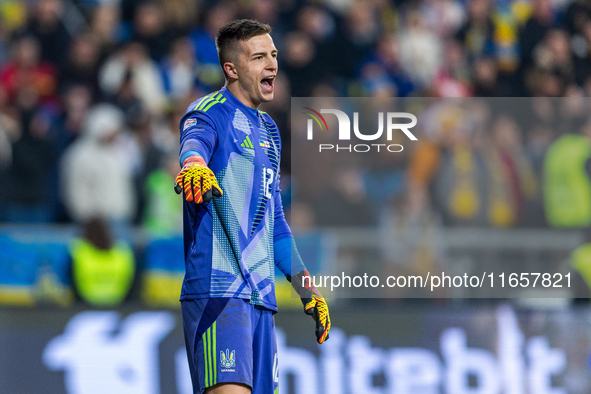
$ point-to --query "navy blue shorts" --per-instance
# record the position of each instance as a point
(230, 341)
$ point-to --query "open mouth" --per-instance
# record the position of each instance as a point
(267, 83)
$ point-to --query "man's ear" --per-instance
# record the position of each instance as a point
(231, 70)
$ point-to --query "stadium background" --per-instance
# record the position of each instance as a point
(148, 60)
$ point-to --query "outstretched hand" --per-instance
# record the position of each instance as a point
(197, 181)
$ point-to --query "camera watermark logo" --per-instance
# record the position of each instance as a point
(344, 129)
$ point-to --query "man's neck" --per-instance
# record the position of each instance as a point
(241, 95)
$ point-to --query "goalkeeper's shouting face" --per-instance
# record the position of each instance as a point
(249, 60)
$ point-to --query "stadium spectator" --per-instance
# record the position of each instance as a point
(420, 50)
(535, 30)
(452, 79)
(538, 140)
(319, 25)
(386, 57)
(26, 71)
(68, 125)
(95, 178)
(166, 133)
(142, 154)
(362, 31)
(179, 69)
(298, 64)
(150, 30)
(444, 17)
(267, 11)
(552, 70)
(131, 73)
(180, 15)
(105, 26)
(103, 269)
(460, 182)
(511, 182)
(577, 22)
(33, 156)
(476, 34)
(567, 184)
(558, 56)
(505, 38)
(163, 215)
(13, 17)
(47, 27)
(82, 65)
(202, 36)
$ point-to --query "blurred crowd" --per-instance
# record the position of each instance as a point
(91, 92)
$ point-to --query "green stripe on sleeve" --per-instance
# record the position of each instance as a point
(199, 103)
(216, 101)
(202, 100)
(200, 108)
(204, 103)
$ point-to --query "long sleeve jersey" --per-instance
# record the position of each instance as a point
(229, 242)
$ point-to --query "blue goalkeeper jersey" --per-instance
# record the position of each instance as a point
(229, 241)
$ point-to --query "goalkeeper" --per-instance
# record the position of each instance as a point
(234, 227)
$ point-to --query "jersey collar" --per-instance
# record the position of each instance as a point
(237, 103)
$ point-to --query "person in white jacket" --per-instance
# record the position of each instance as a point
(96, 180)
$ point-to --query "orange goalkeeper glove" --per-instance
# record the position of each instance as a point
(314, 304)
(197, 180)
(318, 309)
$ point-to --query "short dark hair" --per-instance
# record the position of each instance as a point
(231, 34)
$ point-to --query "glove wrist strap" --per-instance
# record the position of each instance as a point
(194, 159)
